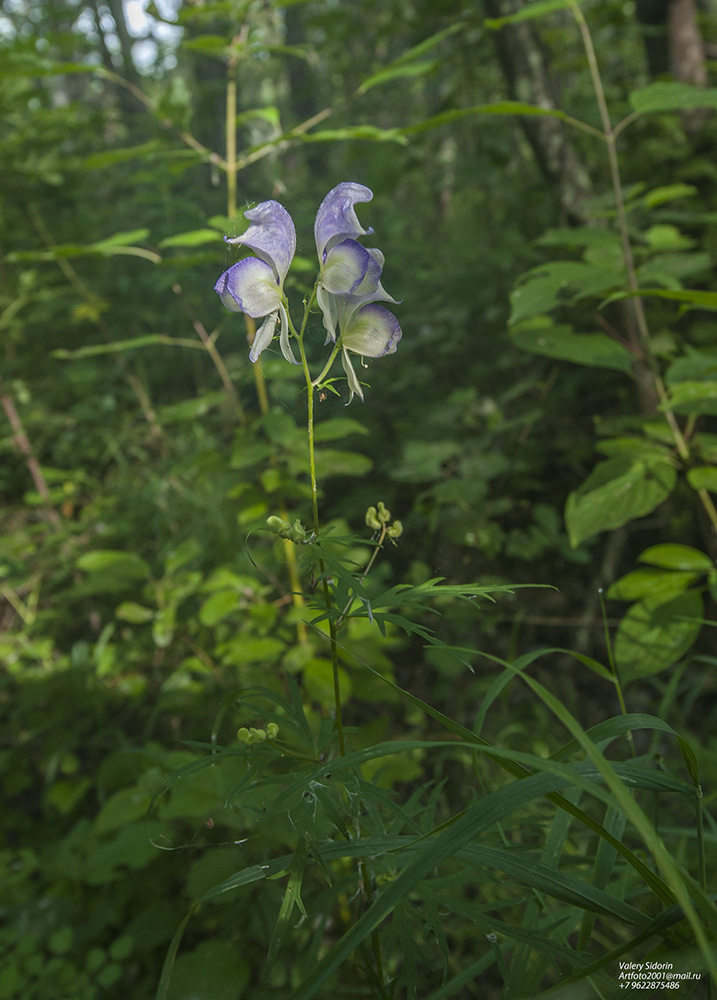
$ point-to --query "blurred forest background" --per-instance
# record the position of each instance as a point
(142, 452)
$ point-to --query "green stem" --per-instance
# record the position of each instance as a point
(315, 515)
(369, 566)
(327, 367)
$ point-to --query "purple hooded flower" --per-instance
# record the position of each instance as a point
(350, 282)
(255, 285)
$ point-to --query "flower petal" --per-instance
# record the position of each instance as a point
(345, 267)
(271, 236)
(354, 384)
(328, 305)
(336, 218)
(284, 338)
(251, 286)
(263, 336)
(227, 300)
(372, 331)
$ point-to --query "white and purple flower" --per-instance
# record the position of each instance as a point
(349, 282)
(348, 289)
(255, 285)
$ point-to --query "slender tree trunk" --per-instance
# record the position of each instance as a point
(526, 70)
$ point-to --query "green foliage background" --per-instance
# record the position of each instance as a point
(517, 433)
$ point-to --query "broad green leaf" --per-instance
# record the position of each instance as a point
(131, 611)
(194, 238)
(596, 350)
(331, 462)
(654, 634)
(693, 366)
(114, 563)
(218, 606)
(672, 96)
(617, 491)
(659, 584)
(692, 397)
(666, 237)
(672, 556)
(538, 8)
(669, 269)
(215, 969)
(577, 237)
(704, 477)
(543, 288)
(338, 427)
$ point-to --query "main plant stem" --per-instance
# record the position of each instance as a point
(310, 386)
(628, 257)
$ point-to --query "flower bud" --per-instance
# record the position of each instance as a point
(395, 530)
(243, 735)
(296, 533)
(272, 731)
(257, 735)
(384, 514)
(372, 520)
(278, 524)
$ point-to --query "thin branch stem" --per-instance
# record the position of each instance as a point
(628, 257)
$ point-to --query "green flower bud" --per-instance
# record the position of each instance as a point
(384, 514)
(395, 530)
(372, 520)
(278, 524)
(297, 532)
(272, 731)
(257, 735)
(243, 735)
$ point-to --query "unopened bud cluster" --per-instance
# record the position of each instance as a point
(379, 517)
(251, 736)
(295, 532)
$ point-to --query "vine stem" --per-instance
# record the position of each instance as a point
(628, 257)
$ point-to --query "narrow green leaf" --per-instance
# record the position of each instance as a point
(668, 192)
(171, 957)
(194, 238)
(672, 96)
(399, 71)
(149, 340)
(510, 108)
(538, 8)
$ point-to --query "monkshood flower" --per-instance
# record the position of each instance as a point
(255, 285)
(349, 288)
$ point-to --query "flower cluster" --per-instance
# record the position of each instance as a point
(348, 290)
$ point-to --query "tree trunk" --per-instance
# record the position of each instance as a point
(525, 67)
